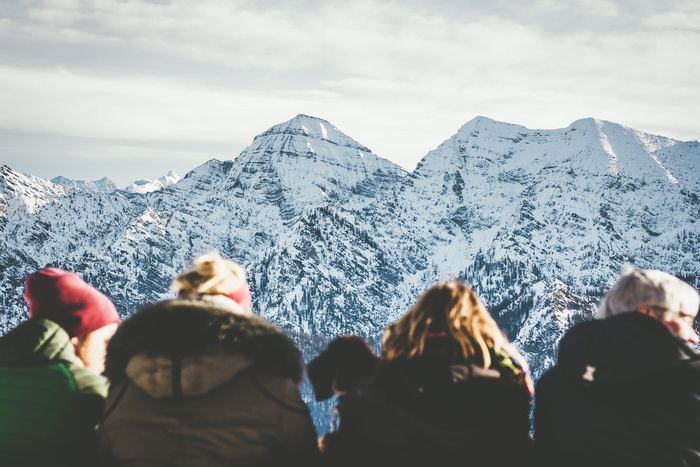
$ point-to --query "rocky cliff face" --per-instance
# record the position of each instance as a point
(338, 240)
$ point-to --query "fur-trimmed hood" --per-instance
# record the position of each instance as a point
(204, 342)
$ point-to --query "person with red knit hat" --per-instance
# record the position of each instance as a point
(202, 371)
(85, 313)
(51, 391)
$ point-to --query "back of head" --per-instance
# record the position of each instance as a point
(450, 309)
(214, 275)
(66, 299)
(345, 361)
(658, 289)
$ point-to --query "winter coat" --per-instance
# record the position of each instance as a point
(436, 409)
(50, 403)
(625, 391)
(196, 384)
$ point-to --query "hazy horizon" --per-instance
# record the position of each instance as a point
(132, 89)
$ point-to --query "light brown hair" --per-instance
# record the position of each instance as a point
(451, 308)
(210, 275)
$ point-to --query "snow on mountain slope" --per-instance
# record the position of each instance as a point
(46, 224)
(307, 160)
(147, 186)
(515, 211)
(295, 208)
(682, 161)
(103, 185)
(338, 240)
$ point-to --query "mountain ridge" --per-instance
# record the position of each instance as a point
(338, 240)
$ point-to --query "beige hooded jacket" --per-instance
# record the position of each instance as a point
(195, 384)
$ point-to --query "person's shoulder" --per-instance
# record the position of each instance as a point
(583, 335)
(689, 358)
(278, 389)
(87, 382)
(36, 330)
(36, 341)
(585, 328)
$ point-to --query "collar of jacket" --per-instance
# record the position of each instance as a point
(185, 332)
(621, 348)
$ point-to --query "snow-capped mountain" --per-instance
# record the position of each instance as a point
(337, 240)
(147, 186)
(103, 185)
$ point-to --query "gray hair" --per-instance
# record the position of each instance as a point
(658, 289)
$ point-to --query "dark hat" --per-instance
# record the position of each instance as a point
(346, 360)
(66, 299)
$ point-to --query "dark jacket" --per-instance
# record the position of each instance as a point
(50, 403)
(625, 391)
(195, 384)
(436, 409)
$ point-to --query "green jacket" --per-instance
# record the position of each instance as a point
(50, 404)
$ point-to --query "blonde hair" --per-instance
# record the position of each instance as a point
(211, 275)
(451, 308)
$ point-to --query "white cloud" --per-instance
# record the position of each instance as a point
(62, 101)
(398, 76)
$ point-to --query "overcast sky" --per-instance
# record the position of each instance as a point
(131, 89)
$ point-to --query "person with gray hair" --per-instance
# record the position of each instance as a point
(657, 294)
(626, 388)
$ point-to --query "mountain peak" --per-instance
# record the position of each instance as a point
(314, 128)
(480, 123)
(147, 186)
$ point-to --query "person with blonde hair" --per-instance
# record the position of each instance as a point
(201, 380)
(448, 390)
(213, 276)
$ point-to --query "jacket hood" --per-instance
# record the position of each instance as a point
(621, 348)
(37, 342)
(203, 342)
(196, 375)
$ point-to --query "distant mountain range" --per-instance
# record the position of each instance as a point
(147, 186)
(336, 239)
(105, 185)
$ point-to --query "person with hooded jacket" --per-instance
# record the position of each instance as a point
(51, 391)
(201, 381)
(449, 390)
(626, 388)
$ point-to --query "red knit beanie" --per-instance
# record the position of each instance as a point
(66, 299)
